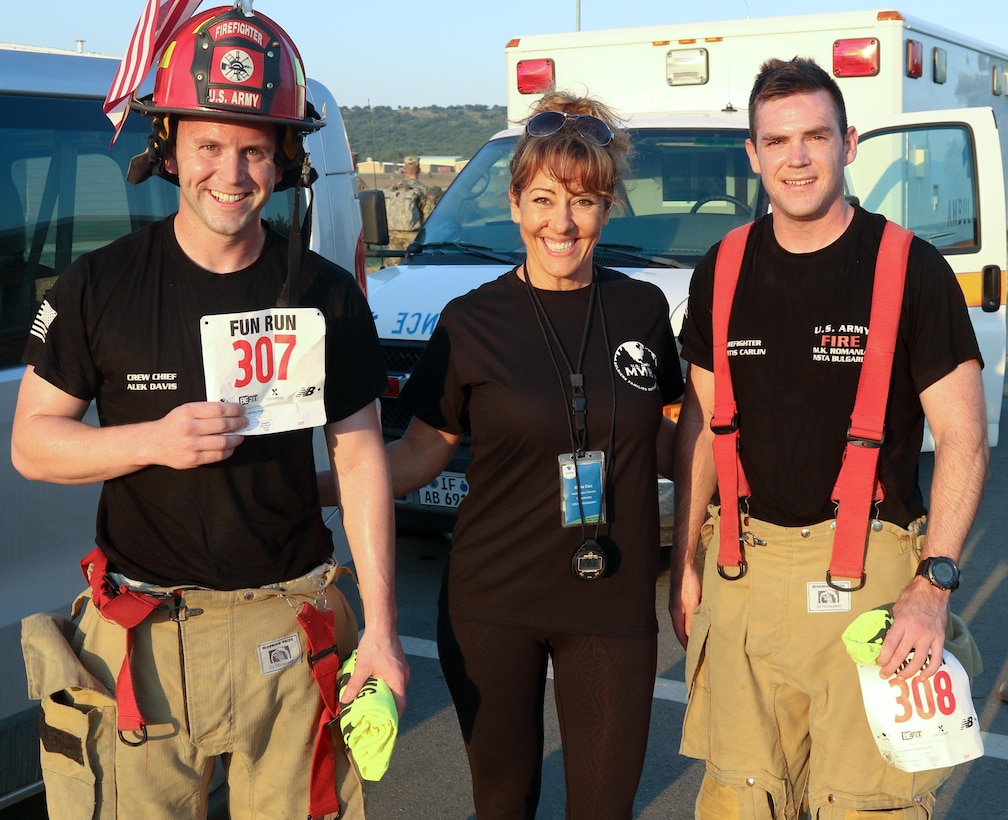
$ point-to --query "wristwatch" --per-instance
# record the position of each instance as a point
(942, 572)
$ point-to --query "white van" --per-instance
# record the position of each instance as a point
(63, 192)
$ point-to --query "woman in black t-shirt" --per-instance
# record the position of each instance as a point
(558, 371)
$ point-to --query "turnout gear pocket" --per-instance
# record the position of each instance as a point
(697, 646)
(77, 754)
(739, 796)
(77, 724)
(836, 811)
(696, 740)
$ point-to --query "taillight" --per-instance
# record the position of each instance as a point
(914, 58)
(396, 382)
(858, 57)
(360, 270)
(535, 76)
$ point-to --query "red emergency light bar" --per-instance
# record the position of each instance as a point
(858, 57)
(535, 76)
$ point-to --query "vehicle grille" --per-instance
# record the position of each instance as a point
(400, 359)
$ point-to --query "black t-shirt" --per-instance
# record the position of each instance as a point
(487, 371)
(127, 316)
(796, 340)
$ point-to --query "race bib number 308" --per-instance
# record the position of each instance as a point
(922, 723)
(271, 361)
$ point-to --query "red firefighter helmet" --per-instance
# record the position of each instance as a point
(224, 63)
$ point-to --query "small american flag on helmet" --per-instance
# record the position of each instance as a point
(150, 37)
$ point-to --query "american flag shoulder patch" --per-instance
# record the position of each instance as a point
(43, 321)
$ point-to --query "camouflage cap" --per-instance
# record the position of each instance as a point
(412, 161)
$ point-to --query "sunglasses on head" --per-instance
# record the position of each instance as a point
(591, 128)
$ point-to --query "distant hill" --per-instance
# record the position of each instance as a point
(388, 134)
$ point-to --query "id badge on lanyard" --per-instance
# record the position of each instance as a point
(582, 488)
(271, 361)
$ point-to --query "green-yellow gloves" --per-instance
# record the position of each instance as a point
(863, 638)
(369, 724)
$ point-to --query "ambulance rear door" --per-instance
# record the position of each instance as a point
(941, 174)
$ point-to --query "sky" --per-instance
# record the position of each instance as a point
(441, 52)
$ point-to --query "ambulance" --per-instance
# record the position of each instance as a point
(930, 106)
(63, 191)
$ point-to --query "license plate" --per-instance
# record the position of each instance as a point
(445, 491)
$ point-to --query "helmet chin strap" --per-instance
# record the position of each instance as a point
(152, 163)
(300, 235)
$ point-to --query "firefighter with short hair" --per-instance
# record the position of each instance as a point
(814, 493)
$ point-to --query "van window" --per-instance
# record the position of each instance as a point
(63, 192)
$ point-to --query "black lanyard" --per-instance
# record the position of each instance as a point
(577, 410)
(577, 414)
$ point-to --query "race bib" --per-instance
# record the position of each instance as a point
(271, 361)
(922, 723)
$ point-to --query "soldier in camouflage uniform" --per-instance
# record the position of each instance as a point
(408, 204)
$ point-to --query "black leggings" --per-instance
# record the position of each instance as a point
(603, 688)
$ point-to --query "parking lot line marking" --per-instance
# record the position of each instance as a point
(419, 647)
(675, 690)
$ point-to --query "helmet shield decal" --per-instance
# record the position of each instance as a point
(236, 66)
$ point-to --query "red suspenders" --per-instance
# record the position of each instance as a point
(325, 666)
(127, 608)
(732, 482)
(857, 484)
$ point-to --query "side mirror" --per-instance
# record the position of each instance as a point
(372, 205)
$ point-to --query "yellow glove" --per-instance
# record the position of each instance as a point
(863, 638)
(369, 724)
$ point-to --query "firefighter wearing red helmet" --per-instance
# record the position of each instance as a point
(214, 628)
(225, 64)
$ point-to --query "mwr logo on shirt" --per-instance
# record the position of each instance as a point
(637, 365)
(839, 343)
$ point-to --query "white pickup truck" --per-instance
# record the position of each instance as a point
(683, 90)
(63, 192)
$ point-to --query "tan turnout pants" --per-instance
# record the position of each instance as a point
(775, 704)
(225, 676)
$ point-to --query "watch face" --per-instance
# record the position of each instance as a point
(944, 573)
